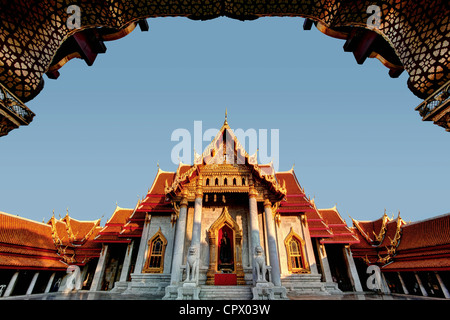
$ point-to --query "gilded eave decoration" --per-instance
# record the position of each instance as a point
(213, 165)
(380, 236)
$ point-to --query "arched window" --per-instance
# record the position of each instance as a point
(243, 181)
(225, 181)
(207, 181)
(216, 182)
(234, 181)
(155, 257)
(295, 254)
(295, 249)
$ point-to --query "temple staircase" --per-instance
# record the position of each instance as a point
(226, 293)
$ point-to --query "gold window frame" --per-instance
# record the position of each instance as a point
(293, 236)
(150, 243)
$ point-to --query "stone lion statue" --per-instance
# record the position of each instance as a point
(260, 264)
(192, 264)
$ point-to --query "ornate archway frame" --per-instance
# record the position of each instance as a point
(213, 233)
(293, 234)
(160, 269)
(38, 38)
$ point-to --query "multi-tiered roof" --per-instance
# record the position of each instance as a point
(287, 194)
(26, 244)
(399, 246)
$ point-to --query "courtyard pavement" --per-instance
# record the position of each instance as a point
(108, 305)
(105, 295)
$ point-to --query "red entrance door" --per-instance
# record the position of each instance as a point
(225, 258)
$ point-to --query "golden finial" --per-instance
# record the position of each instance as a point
(226, 116)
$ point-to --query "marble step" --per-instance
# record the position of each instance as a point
(226, 293)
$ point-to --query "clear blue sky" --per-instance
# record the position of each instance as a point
(351, 130)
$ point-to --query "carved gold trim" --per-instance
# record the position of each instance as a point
(224, 219)
(176, 212)
(223, 171)
(380, 236)
(160, 269)
(392, 249)
(293, 235)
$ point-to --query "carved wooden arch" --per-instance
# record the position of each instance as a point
(213, 232)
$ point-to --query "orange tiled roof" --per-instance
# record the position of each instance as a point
(155, 199)
(79, 231)
(31, 262)
(295, 200)
(114, 226)
(131, 230)
(291, 182)
(27, 244)
(32, 245)
(340, 232)
(430, 264)
(427, 233)
(317, 226)
(418, 246)
(25, 233)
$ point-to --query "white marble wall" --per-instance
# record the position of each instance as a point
(162, 222)
(153, 282)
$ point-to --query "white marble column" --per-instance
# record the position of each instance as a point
(443, 287)
(127, 262)
(32, 283)
(83, 274)
(253, 218)
(309, 247)
(353, 273)
(100, 270)
(178, 249)
(11, 284)
(325, 266)
(384, 286)
(272, 243)
(140, 259)
(197, 223)
(422, 288)
(49, 283)
(405, 290)
(253, 223)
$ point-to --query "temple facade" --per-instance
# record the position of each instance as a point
(228, 226)
(224, 227)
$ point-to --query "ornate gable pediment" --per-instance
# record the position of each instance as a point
(225, 166)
